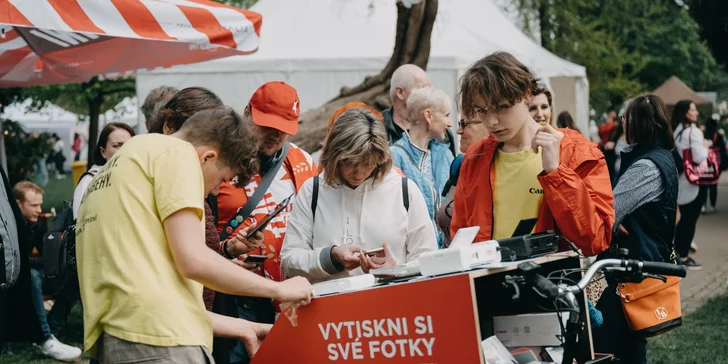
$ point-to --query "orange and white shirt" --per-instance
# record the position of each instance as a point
(296, 169)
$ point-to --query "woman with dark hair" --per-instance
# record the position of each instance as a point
(712, 134)
(690, 197)
(112, 137)
(645, 204)
(541, 105)
(169, 118)
(564, 120)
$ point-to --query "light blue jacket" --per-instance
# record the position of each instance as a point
(409, 159)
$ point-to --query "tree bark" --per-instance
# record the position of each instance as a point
(94, 110)
(544, 24)
(411, 45)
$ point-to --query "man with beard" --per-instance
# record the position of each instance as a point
(272, 114)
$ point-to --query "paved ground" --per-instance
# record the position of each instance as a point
(712, 239)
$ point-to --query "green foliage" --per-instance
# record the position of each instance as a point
(243, 4)
(627, 46)
(24, 150)
(77, 97)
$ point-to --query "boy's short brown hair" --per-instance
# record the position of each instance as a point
(496, 80)
(224, 129)
(21, 189)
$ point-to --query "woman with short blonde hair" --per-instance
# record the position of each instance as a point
(357, 204)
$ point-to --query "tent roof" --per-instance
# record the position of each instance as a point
(674, 90)
(334, 34)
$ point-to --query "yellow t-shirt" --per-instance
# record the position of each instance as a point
(130, 286)
(517, 194)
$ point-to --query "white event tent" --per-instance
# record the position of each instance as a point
(320, 46)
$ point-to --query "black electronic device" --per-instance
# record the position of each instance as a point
(260, 226)
(528, 246)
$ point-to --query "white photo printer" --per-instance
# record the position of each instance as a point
(461, 255)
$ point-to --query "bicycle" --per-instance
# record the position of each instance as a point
(565, 296)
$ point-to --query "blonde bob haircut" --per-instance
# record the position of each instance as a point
(357, 139)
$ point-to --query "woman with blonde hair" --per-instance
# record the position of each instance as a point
(357, 203)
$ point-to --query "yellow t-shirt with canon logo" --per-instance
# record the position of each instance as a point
(129, 283)
(517, 194)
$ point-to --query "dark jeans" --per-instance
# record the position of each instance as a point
(69, 295)
(55, 320)
(685, 230)
(256, 310)
(614, 336)
(712, 193)
(36, 284)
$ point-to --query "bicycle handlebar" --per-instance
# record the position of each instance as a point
(667, 269)
(627, 265)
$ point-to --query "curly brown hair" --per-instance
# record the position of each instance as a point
(224, 129)
(497, 80)
(181, 106)
(154, 101)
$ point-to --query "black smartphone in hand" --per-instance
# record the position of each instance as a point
(271, 215)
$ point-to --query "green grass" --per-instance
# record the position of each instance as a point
(56, 192)
(72, 334)
(701, 339)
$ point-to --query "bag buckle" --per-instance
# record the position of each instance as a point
(625, 297)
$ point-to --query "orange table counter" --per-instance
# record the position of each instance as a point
(423, 321)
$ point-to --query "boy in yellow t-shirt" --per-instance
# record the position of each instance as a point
(142, 259)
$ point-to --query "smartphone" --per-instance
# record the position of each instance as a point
(271, 215)
(257, 259)
(374, 252)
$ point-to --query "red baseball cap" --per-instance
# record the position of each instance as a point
(276, 105)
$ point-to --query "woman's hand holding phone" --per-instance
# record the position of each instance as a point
(345, 256)
(381, 260)
(239, 244)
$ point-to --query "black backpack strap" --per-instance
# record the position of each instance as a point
(451, 142)
(314, 196)
(405, 193)
(260, 191)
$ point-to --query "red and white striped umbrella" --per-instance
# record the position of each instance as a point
(66, 41)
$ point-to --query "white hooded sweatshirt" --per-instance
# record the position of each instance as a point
(365, 217)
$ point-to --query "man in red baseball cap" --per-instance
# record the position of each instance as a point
(273, 113)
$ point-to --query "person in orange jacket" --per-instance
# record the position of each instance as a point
(526, 170)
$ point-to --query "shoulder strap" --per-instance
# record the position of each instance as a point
(260, 191)
(451, 142)
(405, 193)
(314, 196)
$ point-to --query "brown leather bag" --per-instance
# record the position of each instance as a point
(651, 307)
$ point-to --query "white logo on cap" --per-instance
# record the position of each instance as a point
(295, 103)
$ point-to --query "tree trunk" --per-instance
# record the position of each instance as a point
(411, 45)
(94, 110)
(544, 24)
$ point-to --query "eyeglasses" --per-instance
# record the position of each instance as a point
(463, 123)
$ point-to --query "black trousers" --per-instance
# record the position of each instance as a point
(685, 230)
(614, 336)
(712, 194)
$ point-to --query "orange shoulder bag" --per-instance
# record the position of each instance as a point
(652, 307)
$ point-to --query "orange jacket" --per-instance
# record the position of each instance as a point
(578, 200)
